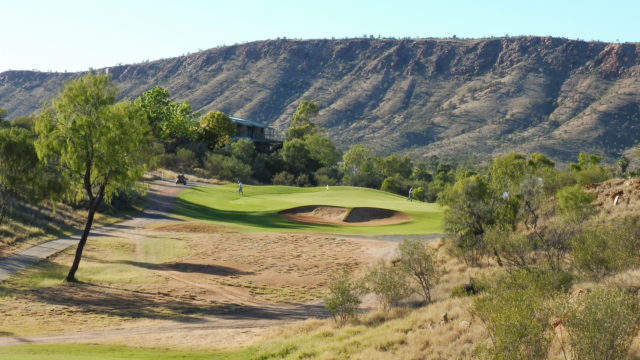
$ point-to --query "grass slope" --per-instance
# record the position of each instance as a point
(258, 209)
(110, 352)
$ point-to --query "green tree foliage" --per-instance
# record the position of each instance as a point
(608, 249)
(302, 124)
(169, 121)
(602, 324)
(419, 193)
(296, 156)
(322, 150)
(471, 210)
(358, 165)
(227, 167)
(22, 175)
(393, 184)
(623, 164)
(358, 159)
(588, 169)
(420, 172)
(3, 116)
(575, 203)
(328, 175)
(216, 129)
(343, 300)
(283, 178)
(389, 283)
(101, 147)
(395, 165)
(186, 160)
(244, 150)
(418, 260)
(516, 314)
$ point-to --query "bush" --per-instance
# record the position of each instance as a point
(185, 160)
(419, 193)
(575, 203)
(389, 283)
(213, 164)
(392, 185)
(283, 178)
(516, 314)
(608, 250)
(342, 300)
(602, 324)
(417, 259)
(327, 176)
(473, 287)
(303, 180)
(227, 168)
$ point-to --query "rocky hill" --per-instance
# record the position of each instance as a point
(451, 97)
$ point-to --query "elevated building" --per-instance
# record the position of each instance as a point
(265, 138)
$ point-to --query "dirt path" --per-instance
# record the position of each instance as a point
(161, 198)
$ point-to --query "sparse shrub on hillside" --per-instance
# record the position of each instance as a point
(418, 260)
(343, 298)
(389, 283)
(588, 169)
(575, 203)
(516, 314)
(473, 287)
(602, 324)
(470, 211)
(607, 250)
(283, 178)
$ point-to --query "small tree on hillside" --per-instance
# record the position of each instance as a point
(99, 146)
(602, 324)
(418, 260)
(343, 298)
(623, 164)
(389, 283)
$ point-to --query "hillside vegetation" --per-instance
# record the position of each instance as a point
(448, 97)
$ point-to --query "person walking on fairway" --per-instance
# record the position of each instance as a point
(240, 188)
(410, 198)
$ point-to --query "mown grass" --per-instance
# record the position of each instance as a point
(257, 210)
(109, 352)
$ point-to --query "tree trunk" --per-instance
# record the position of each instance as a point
(93, 207)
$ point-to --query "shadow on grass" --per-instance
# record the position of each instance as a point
(260, 219)
(189, 268)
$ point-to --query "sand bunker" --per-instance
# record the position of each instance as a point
(335, 215)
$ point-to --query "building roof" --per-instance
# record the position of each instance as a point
(248, 122)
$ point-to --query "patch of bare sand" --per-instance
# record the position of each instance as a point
(335, 215)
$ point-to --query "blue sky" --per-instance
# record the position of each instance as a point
(71, 35)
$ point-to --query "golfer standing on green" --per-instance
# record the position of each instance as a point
(240, 188)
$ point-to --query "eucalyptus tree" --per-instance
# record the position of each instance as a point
(99, 146)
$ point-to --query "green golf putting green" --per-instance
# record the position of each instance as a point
(258, 209)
